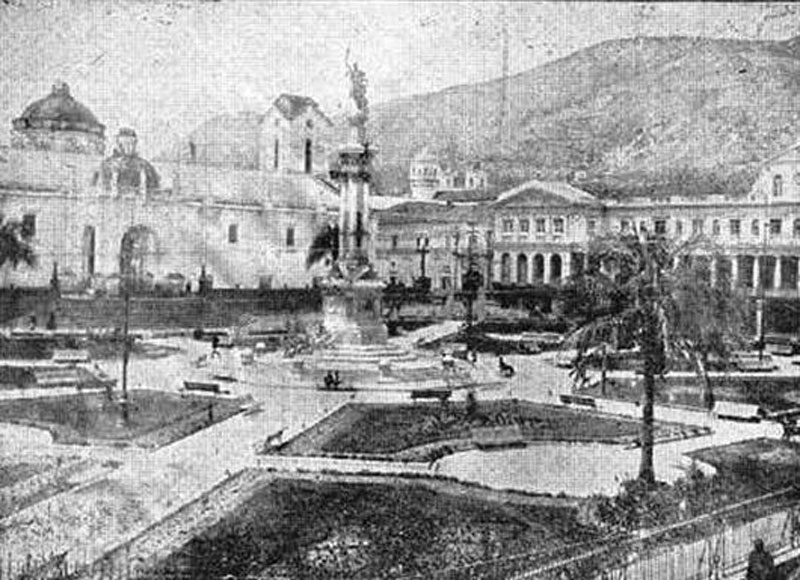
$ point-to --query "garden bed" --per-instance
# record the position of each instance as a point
(411, 431)
(331, 529)
(155, 418)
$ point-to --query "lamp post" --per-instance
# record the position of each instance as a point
(761, 300)
(472, 280)
(423, 249)
(126, 345)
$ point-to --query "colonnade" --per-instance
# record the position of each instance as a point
(779, 272)
(537, 268)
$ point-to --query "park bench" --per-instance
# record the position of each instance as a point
(70, 356)
(440, 394)
(202, 387)
(580, 400)
(738, 411)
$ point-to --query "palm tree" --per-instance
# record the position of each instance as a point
(644, 289)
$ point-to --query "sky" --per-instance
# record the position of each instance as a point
(162, 67)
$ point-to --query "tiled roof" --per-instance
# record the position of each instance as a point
(465, 195)
(430, 212)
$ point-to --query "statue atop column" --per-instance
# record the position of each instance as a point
(358, 92)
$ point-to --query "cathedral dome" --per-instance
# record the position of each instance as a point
(59, 111)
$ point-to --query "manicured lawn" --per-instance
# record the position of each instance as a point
(771, 462)
(155, 417)
(771, 393)
(304, 529)
(387, 429)
(12, 472)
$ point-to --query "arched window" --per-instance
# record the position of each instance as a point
(555, 268)
(777, 186)
(538, 268)
(505, 269)
(522, 269)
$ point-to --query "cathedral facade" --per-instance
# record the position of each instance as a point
(94, 215)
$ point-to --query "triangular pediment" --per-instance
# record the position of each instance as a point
(545, 194)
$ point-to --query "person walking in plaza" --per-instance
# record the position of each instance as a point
(760, 564)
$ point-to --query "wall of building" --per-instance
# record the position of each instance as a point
(239, 245)
(288, 139)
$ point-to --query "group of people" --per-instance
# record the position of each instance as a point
(332, 380)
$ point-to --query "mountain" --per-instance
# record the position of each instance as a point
(633, 110)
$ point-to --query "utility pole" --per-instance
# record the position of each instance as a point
(504, 113)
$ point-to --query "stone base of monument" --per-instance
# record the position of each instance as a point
(377, 367)
(358, 349)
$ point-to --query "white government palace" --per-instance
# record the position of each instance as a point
(539, 232)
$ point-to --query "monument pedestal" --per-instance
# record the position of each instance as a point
(352, 312)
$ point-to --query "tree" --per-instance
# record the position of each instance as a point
(15, 244)
(645, 289)
(709, 318)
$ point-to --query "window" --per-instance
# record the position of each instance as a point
(624, 226)
(678, 228)
(642, 227)
(394, 242)
(524, 225)
(754, 227)
(660, 227)
(276, 154)
(29, 225)
(715, 227)
(796, 229)
(697, 226)
(558, 225)
(233, 233)
(508, 226)
(775, 226)
(290, 237)
(735, 228)
(591, 227)
(541, 225)
(777, 186)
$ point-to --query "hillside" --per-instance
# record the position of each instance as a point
(641, 115)
(636, 107)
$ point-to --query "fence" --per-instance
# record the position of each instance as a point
(713, 546)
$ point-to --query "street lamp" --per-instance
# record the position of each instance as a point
(472, 281)
(423, 248)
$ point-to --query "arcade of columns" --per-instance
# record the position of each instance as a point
(781, 273)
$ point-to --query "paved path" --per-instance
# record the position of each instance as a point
(151, 485)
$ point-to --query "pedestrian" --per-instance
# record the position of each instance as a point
(760, 565)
